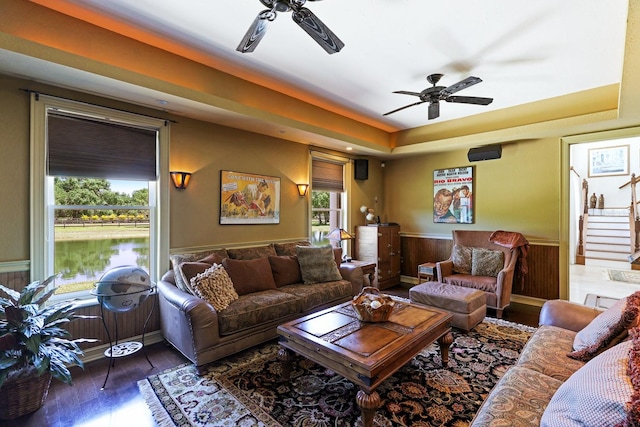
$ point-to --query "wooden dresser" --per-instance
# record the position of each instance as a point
(380, 243)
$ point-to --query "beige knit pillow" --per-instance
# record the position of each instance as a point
(214, 286)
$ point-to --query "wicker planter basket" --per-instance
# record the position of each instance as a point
(23, 395)
(372, 306)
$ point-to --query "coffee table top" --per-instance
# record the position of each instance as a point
(366, 353)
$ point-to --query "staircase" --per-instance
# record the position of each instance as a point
(608, 239)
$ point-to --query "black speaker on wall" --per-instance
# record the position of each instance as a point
(488, 152)
(361, 169)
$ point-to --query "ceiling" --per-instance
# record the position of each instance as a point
(524, 51)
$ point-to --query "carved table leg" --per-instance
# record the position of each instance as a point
(285, 357)
(368, 403)
(445, 342)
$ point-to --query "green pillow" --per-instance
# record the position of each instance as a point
(317, 264)
(485, 262)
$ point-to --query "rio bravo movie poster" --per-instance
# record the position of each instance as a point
(453, 195)
(246, 198)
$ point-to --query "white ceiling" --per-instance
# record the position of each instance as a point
(523, 50)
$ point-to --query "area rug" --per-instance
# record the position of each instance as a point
(624, 276)
(247, 389)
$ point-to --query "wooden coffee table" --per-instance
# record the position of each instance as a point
(365, 353)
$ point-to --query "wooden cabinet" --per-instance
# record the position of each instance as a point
(380, 244)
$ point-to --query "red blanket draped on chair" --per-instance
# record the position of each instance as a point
(511, 239)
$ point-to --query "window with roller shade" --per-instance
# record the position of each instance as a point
(99, 195)
(327, 199)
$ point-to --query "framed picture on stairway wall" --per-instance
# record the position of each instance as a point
(609, 161)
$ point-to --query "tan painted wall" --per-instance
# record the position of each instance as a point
(200, 147)
(518, 192)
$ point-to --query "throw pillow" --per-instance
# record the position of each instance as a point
(250, 276)
(285, 269)
(186, 271)
(607, 328)
(461, 257)
(485, 262)
(213, 258)
(214, 286)
(633, 406)
(317, 264)
(178, 259)
(595, 395)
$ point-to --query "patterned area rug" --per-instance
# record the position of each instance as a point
(624, 276)
(247, 390)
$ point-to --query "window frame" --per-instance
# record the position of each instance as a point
(42, 189)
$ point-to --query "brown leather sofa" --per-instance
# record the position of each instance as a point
(204, 335)
(496, 288)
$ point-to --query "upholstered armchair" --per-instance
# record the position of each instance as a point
(478, 263)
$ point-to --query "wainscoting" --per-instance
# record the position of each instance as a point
(542, 281)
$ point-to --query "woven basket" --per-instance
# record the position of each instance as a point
(362, 305)
(23, 395)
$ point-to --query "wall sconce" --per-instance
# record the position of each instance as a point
(302, 189)
(180, 179)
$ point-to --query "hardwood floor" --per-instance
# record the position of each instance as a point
(120, 403)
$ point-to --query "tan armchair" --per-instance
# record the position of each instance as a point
(497, 289)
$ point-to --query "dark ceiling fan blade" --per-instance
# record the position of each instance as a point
(402, 108)
(317, 30)
(256, 31)
(456, 87)
(434, 110)
(406, 92)
(469, 100)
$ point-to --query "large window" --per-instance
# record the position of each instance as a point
(328, 198)
(96, 193)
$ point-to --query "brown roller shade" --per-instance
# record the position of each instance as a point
(326, 176)
(82, 147)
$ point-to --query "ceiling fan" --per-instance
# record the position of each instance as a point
(301, 16)
(433, 95)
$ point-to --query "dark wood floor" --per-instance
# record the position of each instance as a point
(120, 403)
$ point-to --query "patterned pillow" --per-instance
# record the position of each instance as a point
(214, 286)
(607, 328)
(461, 258)
(633, 406)
(252, 252)
(485, 262)
(250, 276)
(317, 264)
(178, 259)
(289, 249)
(596, 394)
(285, 269)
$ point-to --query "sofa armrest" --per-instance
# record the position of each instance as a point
(567, 315)
(353, 274)
(188, 322)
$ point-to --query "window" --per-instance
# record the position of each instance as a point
(96, 198)
(328, 198)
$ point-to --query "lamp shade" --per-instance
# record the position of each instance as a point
(180, 179)
(302, 189)
(339, 234)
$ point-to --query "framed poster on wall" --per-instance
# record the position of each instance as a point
(609, 161)
(247, 198)
(453, 195)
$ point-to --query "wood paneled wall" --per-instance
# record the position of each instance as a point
(542, 280)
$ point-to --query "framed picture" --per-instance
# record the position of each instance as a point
(247, 198)
(609, 161)
(453, 195)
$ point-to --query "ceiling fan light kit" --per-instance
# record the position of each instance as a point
(434, 94)
(302, 16)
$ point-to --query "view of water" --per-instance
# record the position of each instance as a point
(86, 260)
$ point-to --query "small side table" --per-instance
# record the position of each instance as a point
(427, 271)
(368, 269)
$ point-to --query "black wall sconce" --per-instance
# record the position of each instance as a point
(180, 179)
(302, 189)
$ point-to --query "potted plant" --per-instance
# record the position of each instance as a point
(34, 346)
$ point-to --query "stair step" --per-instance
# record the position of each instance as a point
(612, 256)
(611, 233)
(607, 247)
(620, 265)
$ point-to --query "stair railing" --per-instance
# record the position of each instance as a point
(582, 222)
(634, 221)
